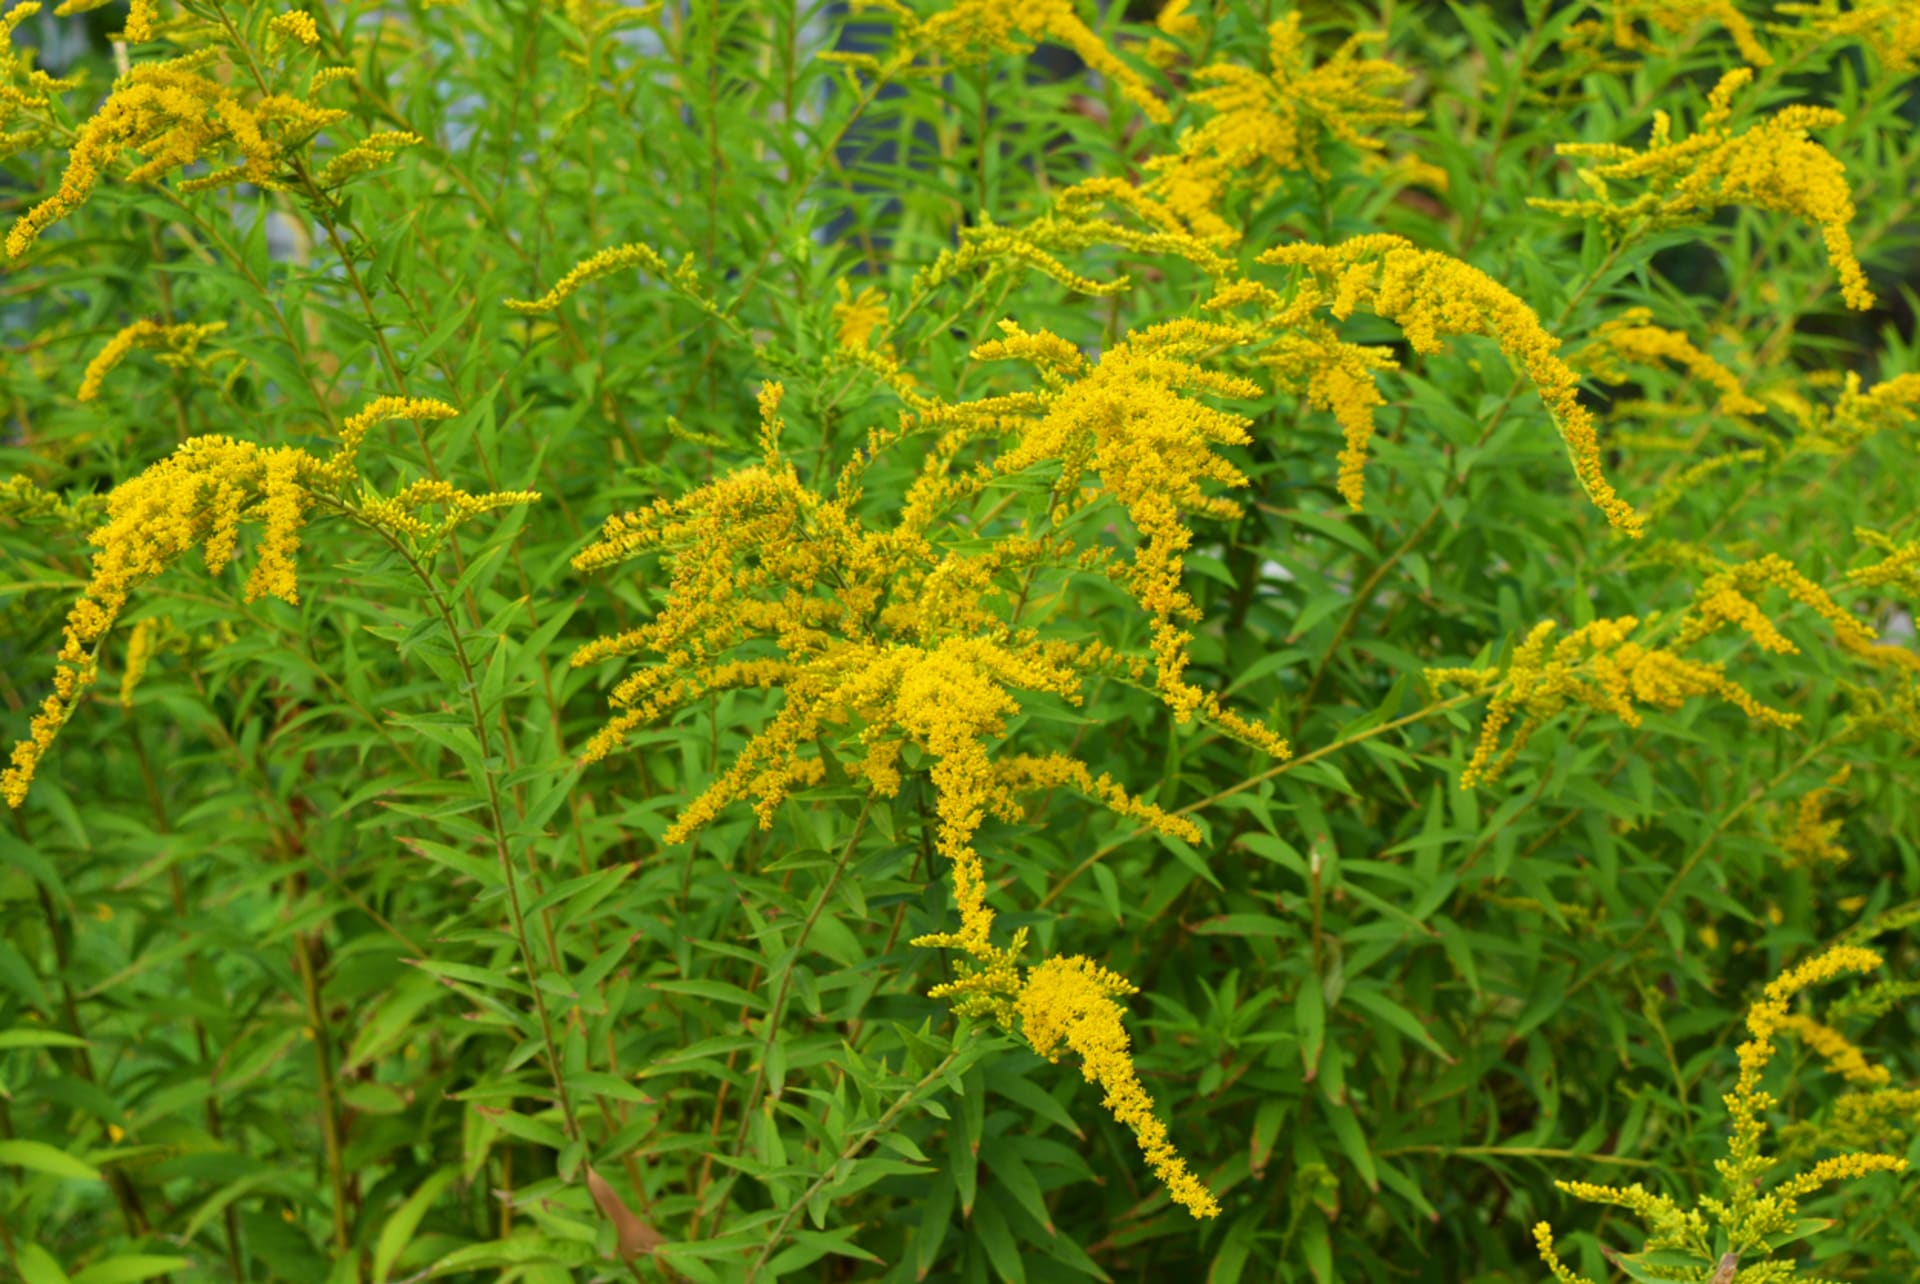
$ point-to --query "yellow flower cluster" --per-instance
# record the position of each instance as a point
(601, 263)
(1840, 1053)
(21, 500)
(1883, 1117)
(598, 18)
(900, 637)
(370, 153)
(1264, 125)
(1543, 1240)
(1813, 837)
(199, 497)
(1770, 166)
(1601, 667)
(296, 25)
(25, 90)
(1598, 667)
(856, 317)
(1429, 296)
(1890, 28)
(1899, 569)
(139, 655)
(1174, 22)
(173, 115)
(620, 258)
(1132, 422)
(970, 30)
(1074, 224)
(1070, 1001)
(1748, 1215)
(1631, 339)
(344, 463)
(1855, 415)
(1338, 377)
(1725, 598)
(196, 497)
(400, 512)
(177, 345)
(1678, 16)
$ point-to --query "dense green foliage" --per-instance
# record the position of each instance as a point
(325, 955)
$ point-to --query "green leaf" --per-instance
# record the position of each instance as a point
(404, 1221)
(126, 1270)
(1242, 925)
(32, 1038)
(522, 1251)
(1310, 1022)
(1353, 1141)
(1363, 995)
(37, 1266)
(1230, 1257)
(993, 1234)
(38, 1156)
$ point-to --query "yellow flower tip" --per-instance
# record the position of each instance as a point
(340, 466)
(27, 754)
(771, 424)
(141, 17)
(1772, 166)
(1430, 296)
(1070, 1000)
(593, 267)
(139, 656)
(370, 153)
(1839, 1053)
(296, 25)
(972, 29)
(856, 317)
(1543, 1241)
(180, 342)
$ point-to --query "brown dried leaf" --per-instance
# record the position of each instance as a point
(634, 1235)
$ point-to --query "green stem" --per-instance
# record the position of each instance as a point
(782, 988)
(1281, 769)
(497, 824)
(852, 1148)
(1651, 919)
(329, 1091)
(131, 1209)
(177, 892)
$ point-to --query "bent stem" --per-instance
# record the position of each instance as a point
(1279, 769)
(496, 815)
(1653, 916)
(852, 1148)
(777, 1011)
(1456, 478)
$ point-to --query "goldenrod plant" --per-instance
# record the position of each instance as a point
(959, 641)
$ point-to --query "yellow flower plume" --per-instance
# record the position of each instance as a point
(1750, 1218)
(1429, 296)
(1070, 1001)
(199, 497)
(1264, 125)
(177, 343)
(1770, 166)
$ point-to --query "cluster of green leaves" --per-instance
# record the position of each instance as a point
(323, 961)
